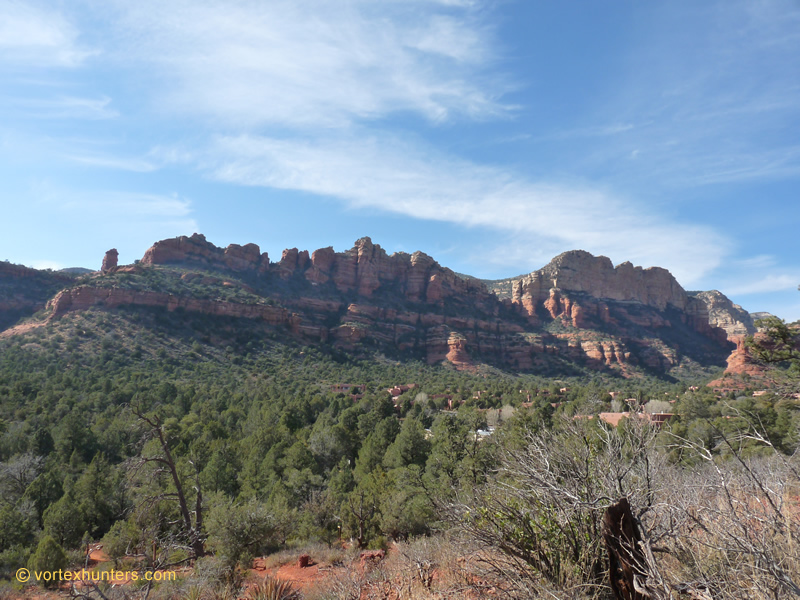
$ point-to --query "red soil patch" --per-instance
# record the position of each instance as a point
(302, 578)
(97, 555)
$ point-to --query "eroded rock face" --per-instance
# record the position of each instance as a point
(580, 271)
(606, 352)
(110, 261)
(741, 362)
(588, 291)
(84, 297)
(196, 250)
(366, 268)
(723, 313)
(579, 307)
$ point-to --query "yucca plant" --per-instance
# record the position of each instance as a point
(194, 593)
(273, 589)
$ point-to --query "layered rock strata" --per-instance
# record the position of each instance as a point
(85, 297)
(723, 313)
(578, 308)
(585, 290)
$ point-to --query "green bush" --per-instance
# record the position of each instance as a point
(49, 556)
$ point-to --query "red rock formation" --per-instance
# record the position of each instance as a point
(579, 271)
(457, 353)
(85, 297)
(196, 250)
(110, 261)
(741, 362)
(322, 262)
(581, 288)
(243, 258)
(429, 319)
(607, 352)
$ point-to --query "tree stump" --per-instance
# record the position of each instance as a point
(627, 565)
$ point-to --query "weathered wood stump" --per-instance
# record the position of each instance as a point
(625, 557)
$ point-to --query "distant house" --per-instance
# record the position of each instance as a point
(656, 419)
(613, 418)
(399, 389)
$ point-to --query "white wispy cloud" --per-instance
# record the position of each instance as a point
(760, 261)
(128, 206)
(136, 165)
(407, 177)
(311, 63)
(112, 208)
(34, 35)
(63, 107)
(766, 284)
(588, 132)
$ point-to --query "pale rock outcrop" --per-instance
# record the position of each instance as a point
(725, 314)
(596, 276)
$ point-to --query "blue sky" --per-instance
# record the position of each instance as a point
(492, 135)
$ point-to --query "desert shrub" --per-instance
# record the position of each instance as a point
(12, 559)
(48, 556)
(237, 530)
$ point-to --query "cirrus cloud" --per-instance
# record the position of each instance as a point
(405, 176)
(37, 36)
(311, 63)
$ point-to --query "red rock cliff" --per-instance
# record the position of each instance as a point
(196, 250)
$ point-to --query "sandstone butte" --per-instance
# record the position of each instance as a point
(410, 302)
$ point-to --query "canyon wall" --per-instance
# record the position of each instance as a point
(578, 308)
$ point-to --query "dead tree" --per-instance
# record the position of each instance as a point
(192, 526)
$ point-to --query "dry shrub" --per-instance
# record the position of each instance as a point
(278, 559)
(737, 525)
(538, 522)
(345, 584)
(725, 529)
